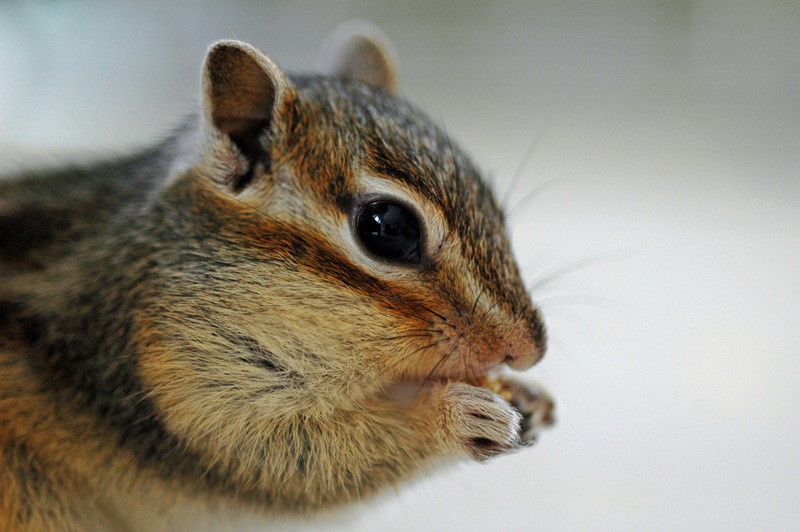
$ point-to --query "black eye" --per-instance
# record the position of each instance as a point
(390, 231)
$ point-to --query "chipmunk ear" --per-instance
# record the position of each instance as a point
(359, 51)
(242, 90)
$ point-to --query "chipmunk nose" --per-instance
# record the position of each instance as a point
(529, 346)
(523, 359)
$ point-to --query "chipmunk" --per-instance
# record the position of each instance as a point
(299, 298)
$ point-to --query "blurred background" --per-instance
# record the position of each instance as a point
(657, 215)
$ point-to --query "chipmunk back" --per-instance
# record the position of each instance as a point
(299, 298)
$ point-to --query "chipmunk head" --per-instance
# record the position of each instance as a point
(326, 236)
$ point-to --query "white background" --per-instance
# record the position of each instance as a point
(671, 131)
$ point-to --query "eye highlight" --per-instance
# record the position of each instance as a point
(390, 231)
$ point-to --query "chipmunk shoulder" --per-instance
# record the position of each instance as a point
(297, 299)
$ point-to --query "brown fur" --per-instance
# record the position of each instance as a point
(199, 325)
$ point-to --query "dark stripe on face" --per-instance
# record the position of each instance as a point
(255, 237)
(284, 242)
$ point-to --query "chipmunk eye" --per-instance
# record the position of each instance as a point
(390, 231)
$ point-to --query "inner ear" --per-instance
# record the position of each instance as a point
(242, 91)
(359, 51)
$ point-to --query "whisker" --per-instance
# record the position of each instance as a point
(587, 300)
(475, 304)
(444, 319)
(399, 361)
(566, 353)
(438, 364)
(237, 200)
(523, 165)
(491, 308)
(423, 333)
(569, 269)
(403, 336)
(409, 355)
(420, 318)
(452, 152)
(423, 307)
(535, 193)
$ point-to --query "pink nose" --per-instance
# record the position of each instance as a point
(525, 348)
(522, 359)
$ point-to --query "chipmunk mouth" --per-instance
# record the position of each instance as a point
(491, 381)
(482, 377)
(478, 374)
(407, 390)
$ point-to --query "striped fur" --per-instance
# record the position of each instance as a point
(198, 324)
